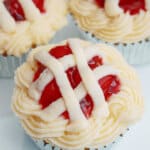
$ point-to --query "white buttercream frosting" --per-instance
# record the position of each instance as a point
(108, 119)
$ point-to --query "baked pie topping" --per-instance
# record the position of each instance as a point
(132, 6)
(109, 84)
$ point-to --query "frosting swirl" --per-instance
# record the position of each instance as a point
(38, 28)
(112, 118)
(111, 23)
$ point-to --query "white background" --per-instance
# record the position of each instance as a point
(12, 136)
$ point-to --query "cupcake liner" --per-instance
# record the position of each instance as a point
(43, 145)
(135, 53)
(8, 65)
(46, 146)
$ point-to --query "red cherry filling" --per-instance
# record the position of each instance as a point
(40, 5)
(16, 10)
(132, 6)
(73, 76)
(110, 84)
(87, 105)
(40, 69)
(50, 94)
(60, 51)
(65, 114)
(95, 62)
(100, 3)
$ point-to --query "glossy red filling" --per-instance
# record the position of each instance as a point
(100, 3)
(40, 69)
(87, 105)
(50, 94)
(16, 10)
(110, 84)
(40, 5)
(131, 6)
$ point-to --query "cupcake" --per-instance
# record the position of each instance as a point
(122, 23)
(25, 24)
(76, 95)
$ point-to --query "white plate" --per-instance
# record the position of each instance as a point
(12, 136)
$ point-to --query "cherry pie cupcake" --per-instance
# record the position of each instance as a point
(121, 23)
(76, 95)
(25, 24)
